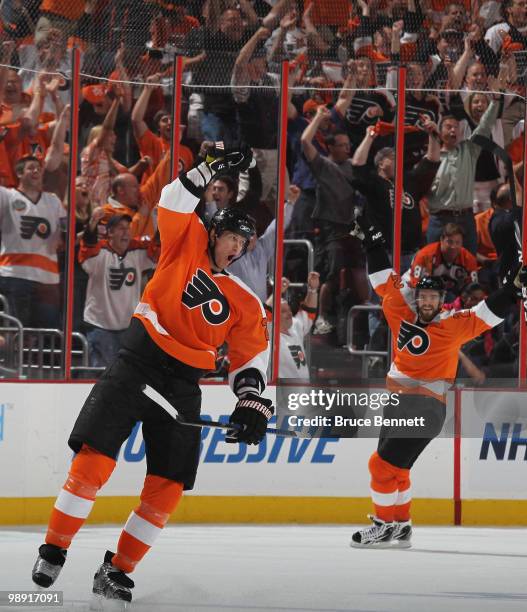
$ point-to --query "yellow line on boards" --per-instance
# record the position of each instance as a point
(500, 512)
(302, 510)
(230, 509)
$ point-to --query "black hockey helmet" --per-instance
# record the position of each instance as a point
(435, 283)
(234, 220)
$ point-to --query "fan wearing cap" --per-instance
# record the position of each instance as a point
(191, 306)
(114, 267)
(427, 342)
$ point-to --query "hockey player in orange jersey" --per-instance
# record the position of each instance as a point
(191, 306)
(426, 344)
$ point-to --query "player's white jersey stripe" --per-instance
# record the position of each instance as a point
(144, 310)
(383, 499)
(486, 314)
(260, 362)
(73, 505)
(439, 387)
(178, 198)
(141, 529)
(403, 497)
(379, 278)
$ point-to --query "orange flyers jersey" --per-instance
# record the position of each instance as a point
(425, 356)
(429, 262)
(30, 236)
(485, 245)
(188, 309)
(156, 147)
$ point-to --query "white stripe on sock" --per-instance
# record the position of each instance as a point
(403, 497)
(142, 529)
(73, 505)
(383, 499)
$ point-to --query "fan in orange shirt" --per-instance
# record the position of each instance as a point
(426, 347)
(446, 259)
(139, 202)
(13, 100)
(155, 147)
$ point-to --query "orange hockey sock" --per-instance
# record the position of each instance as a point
(159, 499)
(383, 487)
(404, 496)
(89, 471)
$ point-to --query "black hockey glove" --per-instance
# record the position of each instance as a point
(252, 412)
(368, 232)
(231, 160)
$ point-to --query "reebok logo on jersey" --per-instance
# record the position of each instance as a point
(30, 226)
(122, 276)
(298, 355)
(414, 338)
(202, 291)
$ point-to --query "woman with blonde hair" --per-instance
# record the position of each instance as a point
(98, 166)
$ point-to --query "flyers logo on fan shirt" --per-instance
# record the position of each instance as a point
(413, 338)
(30, 226)
(298, 355)
(121, 276)
(203, 292)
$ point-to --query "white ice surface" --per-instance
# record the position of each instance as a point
(293, 568)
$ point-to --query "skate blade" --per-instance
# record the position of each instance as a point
(380, 545)
(98, 603)
(402, 544)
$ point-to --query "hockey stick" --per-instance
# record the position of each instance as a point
(167, 406)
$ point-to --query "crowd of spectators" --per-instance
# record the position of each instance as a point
(466, 64)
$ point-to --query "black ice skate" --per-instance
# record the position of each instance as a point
(378, 535)
(48, 565)
(402, 534)
(112, 588)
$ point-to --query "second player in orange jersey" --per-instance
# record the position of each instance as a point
(427, 341)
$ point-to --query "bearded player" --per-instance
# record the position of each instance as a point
(191, 306)
(426, 344)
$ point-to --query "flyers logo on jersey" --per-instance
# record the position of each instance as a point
(202, 291)
(414, 338)
(121, 276)
(30, 226)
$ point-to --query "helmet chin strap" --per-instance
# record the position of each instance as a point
(212, 256)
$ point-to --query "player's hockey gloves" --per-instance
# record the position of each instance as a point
(251, 413)
(233, 160)
(368, 232)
